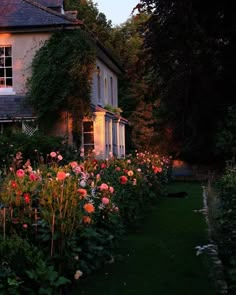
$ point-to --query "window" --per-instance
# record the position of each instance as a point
(112, 95)
(5, 67)
(99, 83)
(88, 136)
(105, 88)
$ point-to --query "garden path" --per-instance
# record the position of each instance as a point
(159, 259)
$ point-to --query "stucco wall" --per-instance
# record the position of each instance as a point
(24, 47)
(105, 73)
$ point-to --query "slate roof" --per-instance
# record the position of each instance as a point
(51, 3)
(13, 107)
(30, 13)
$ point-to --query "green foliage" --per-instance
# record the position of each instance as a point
(61, 78)
(226, 135)
(190, 47)
(95, 21)
(31, 147)
(227, 224)
(136, 92)
(75, 213)
(24, 270)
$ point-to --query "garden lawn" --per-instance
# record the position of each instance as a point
(160, 258)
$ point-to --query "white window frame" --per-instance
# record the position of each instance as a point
(92, 145)
(6, 90)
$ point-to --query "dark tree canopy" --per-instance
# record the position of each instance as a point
(189, 44)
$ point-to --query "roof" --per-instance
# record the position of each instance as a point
(51, 3)
(14, 107)
(15, 14)
(98, 108)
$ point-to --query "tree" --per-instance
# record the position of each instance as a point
(94, 21)
(136, 95)
(189, 44)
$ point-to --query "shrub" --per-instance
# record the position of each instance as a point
(227, 225)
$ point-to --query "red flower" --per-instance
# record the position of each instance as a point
(14, 184)
(27, 198)
(123, 179)
(61, 175)
(32, 177)
(103, 165)
(87, 219)
(157, 169)
(20, 173)
(82, 192)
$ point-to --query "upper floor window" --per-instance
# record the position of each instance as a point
(112, 93)
(99, 83)
(5, 67)
(105, 88)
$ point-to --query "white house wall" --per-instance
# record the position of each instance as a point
(106, 96)
(24, 47)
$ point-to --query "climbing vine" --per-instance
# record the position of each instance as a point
(61, 79)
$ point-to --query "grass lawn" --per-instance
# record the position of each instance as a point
(160, 258)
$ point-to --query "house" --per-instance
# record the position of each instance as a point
(24, 27)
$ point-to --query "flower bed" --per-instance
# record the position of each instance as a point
(58, 222)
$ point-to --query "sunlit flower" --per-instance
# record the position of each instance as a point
(20, 173)
(73, 164)
(111, 189)
(128, 161)
(157, 169)
(123, 179)
(82, 192)
(89, 208)
(130, 173)
(61, 175)
(82, 183)
(53, 154)
(59, 157)
(103, 187)
(105, 201)
(33, 176)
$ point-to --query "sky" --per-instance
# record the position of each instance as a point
(118, 11)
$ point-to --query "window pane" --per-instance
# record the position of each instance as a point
(88, 138)
(2, 82)
(9, 82)
(88, 126)
(2, 62)
(8, 72)
(8, 62)
(1, 72)
(1, 51)
(7, 51)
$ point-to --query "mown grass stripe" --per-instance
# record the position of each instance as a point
(159, 259)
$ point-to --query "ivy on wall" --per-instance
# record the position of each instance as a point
(61, 79)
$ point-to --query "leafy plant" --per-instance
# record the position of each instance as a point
(66, 61)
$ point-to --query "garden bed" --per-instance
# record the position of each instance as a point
(60, 222)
